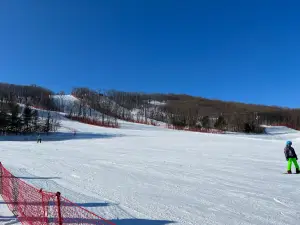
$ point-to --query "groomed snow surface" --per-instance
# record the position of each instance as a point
(145, 175)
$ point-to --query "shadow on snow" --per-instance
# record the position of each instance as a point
(59, 136)
(92, 220)
(14, 219)
(36, 178)
(64, 204)
(141, 222)
(8, 220)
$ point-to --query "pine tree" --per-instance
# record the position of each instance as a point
(220, 123)
(47, 126)
(205, 122)
(248, 128)
(3, 121)
(14, 121)
(27, 118)
(35, 120)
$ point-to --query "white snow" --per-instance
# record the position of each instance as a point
(65, 98)
(6, 216)
(280, 130)
(146, 175)
(153, 102)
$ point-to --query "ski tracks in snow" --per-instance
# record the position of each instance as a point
(184, 177)
(280, 202)
(95, 204)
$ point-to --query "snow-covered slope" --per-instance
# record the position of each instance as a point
(144, 175)
(69, 103)
(275, 130)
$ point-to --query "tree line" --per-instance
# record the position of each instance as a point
(188, 111)
(33, 95)
(91, 108)
(24, 120)
(110, 108)
(177, 110)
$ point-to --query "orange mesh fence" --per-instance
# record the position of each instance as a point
(36, 207)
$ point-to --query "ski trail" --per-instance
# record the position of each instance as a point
(276, 200)
(161, 175)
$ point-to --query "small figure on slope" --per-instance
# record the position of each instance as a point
(291, 157)
(39, 139)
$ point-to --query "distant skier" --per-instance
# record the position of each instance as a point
(39, 139)
(291, 157)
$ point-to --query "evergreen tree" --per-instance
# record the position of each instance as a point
(248, 128)
(27, 119)
(47, 126)
(178, 121)
(220, 123)
(14, 121)
(35, 120)
(205, 122)
(3, 121)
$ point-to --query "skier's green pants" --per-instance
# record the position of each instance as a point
(290, 161)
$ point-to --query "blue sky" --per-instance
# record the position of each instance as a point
(245, 51)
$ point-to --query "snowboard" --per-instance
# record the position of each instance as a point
(290, 173)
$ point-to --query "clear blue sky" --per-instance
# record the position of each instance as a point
(245, 51)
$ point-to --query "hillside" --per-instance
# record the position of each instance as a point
(178, 110)
(189, 111)
(27, 94)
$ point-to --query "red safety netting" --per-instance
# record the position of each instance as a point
(201, 130)
(95, 122)
(74, 214)
(36, 207)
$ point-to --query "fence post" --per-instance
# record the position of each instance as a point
(43, 205)
(59, 209)
(15, 193)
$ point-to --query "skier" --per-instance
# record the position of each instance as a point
(291, 157)
(39, 139)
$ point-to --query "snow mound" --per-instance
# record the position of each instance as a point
(279, 130)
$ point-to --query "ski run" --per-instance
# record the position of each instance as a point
(146, 175)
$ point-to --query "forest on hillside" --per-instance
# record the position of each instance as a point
(33, 95)
(177, 110)
(188, 111)
(16, 115)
